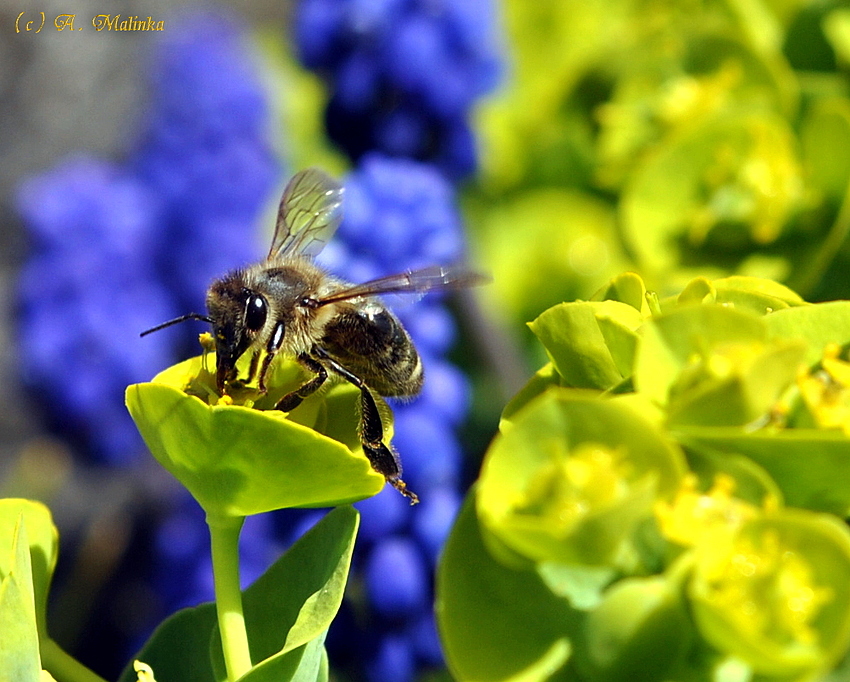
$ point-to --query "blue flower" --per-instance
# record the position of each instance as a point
(399, 214)
(396, 579)
(404, 74)
(382, 515)
(85, 292)
(206, 151)
(393, 660)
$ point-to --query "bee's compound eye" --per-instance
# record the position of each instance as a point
(255, 313)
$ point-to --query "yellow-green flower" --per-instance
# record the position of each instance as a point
(571, 476)
(574, 485)
(775, 593)
(693, 517)
(238, 456)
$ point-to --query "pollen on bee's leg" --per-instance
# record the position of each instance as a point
(401, 486)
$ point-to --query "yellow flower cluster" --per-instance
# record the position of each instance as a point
(826, 391)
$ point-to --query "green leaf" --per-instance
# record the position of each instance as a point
(19, 652)
(591, 344)
(288, 609)
(238, 461)
(297, 598)
(497, 623)
(572, 477)
(819, 324)
(179, 649)
(306, 663)
(809, 466)
(43, 541)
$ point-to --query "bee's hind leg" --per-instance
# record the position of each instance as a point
(383, 459)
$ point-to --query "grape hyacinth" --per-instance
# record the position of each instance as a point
(206, 151)
(85, 292)
(404, 74)
(117, 249)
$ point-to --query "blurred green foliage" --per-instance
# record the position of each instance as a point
(665, 499)
(678, 138)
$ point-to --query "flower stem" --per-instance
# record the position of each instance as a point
(819, 263)
(224, 537)
(62, 665)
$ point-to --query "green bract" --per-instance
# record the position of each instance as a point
(238, 460)
(497, 622)
(808, 465)
(591, 344)
(712, 365)
(41, 540)
(637, 619)
(743, 293)
(700, 187)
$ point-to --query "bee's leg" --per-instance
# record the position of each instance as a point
(292, 400)
(383, 459)
(271, 349)
(252, 369)
(252, 372)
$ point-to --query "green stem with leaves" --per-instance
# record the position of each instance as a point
(224, 537)
(62, 665)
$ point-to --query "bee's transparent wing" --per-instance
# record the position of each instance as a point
(310, 211)
(412, 282)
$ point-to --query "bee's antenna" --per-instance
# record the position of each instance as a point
(176, 320)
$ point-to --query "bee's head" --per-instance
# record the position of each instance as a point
(238, 315)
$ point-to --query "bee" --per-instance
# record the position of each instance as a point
(287, 305)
